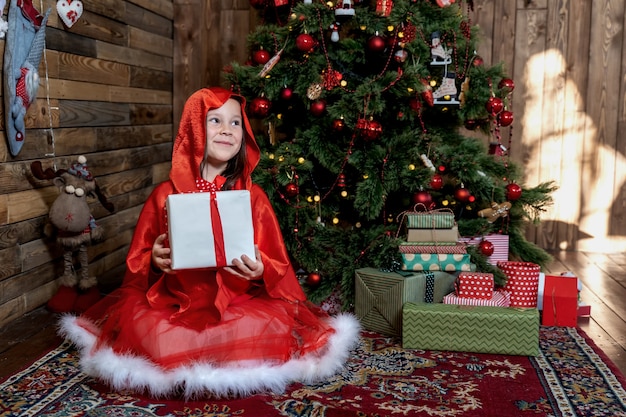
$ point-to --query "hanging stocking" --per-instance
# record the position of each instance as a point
(25, 41)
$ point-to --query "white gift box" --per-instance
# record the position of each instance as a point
(190, 226)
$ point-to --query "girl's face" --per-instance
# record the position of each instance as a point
(224, 136)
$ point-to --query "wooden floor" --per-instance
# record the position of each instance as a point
(603, 277)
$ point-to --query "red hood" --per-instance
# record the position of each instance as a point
(191, 139)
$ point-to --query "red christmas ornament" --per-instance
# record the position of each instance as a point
(507, 85)
(471, 124)
(415, 104)
(505, 118)
(462, 194)
(436, 182)
(427, 94)
(494, 105)
(305, 42)
(513, 192)
(369, 129)
(317, 108)
(486, 247)
(291, 189)
(376, 43)
(261, 57)
(477, 61)
(286, 93)
(313, 279)
(338, 125)
(423, 197)
(260, 107)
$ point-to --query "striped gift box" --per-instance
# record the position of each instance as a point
(500, 298)
(431, 247)
(430, 220)
(500, 246)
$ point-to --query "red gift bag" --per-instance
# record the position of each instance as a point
(474, 285)
(522, 282)
(560, 301)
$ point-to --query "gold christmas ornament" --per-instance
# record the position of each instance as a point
(314, 91)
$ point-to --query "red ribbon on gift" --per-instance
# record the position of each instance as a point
(216, 221)
(218, 233)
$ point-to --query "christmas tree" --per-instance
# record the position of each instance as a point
(368, 110)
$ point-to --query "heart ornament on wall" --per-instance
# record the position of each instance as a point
(69, 11)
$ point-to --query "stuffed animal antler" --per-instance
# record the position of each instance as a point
(71, 222)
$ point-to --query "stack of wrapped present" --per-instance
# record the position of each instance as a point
(477, 317)
(432, 242)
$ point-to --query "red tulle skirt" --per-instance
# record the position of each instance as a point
(257, 329)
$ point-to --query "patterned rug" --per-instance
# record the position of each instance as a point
(570, 377)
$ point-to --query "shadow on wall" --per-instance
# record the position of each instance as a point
(562, 143)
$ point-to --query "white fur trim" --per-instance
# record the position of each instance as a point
(199, 380)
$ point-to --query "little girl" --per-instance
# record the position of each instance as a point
(222, 331)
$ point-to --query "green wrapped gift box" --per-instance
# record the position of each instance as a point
(448, 262)
(480, 329)
(430, 220)
(379, 296)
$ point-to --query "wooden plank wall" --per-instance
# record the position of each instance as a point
(106, 93)
(568, 60)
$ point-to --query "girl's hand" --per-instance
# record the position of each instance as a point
(247, 268)
(161, 255)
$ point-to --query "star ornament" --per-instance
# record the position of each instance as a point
(496, 211)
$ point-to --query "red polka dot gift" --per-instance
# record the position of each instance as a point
(522, 282)
(477, 285)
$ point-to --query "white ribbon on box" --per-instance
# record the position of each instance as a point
(190, 227)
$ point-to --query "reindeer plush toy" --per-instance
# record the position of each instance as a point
(73, 226)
